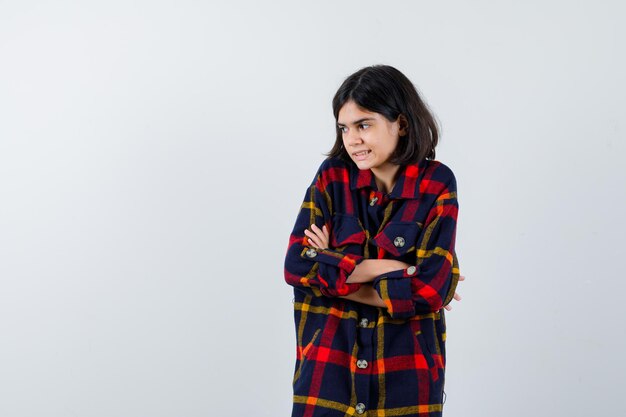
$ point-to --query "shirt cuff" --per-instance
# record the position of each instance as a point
(333, 279)
(456, 273)
(395, 288)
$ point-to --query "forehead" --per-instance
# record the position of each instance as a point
(351, 113)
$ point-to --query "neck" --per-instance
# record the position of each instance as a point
(386, 177)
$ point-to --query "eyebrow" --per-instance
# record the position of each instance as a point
(358, 121)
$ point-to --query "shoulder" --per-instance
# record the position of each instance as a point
(437, 168)
(332, 170)
(333, 163)
(440, 177)
(439, 171)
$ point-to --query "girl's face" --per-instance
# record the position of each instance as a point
(370, 132)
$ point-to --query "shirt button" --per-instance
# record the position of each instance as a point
(311, 253)
(361, 363)
(411, 270)
(364, 322)
(373, 201)
(360, 408)
(398, 241)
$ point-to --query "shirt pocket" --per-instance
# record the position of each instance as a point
(346, 230)
(422, 338)
(308, 353)
(306, 350)
(399, 238)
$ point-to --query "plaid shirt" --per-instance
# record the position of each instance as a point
(357, 359)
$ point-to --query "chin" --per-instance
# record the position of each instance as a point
(363, 164)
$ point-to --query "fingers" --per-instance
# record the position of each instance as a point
(313, 239)
(319, 237)
(448, 307)
(461, 277)
(325, 235)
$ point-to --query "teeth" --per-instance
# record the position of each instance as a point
(361, 153)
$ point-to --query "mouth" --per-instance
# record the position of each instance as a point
(362, 154)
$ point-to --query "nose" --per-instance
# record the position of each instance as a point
(352, 137)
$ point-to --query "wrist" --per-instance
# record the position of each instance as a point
(368, 269)
(389, 265)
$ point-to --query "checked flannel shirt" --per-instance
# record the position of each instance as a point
(357, 359)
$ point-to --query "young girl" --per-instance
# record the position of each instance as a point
(372, 260)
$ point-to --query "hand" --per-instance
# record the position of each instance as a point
(456, 295)
(318, 237)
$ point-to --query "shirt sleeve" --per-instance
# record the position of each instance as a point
(429, 285)
(318, 271)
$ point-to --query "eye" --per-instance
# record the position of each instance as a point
(342, 128)
(364, 124)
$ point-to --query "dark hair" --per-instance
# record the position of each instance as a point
(385, 90)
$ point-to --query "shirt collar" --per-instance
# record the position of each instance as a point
(407, 184)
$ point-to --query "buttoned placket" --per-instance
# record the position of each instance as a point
(368, 315)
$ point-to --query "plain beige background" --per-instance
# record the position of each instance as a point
(153, 157)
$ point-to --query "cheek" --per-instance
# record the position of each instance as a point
(391, 148)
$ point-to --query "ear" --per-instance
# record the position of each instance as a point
(403, 125)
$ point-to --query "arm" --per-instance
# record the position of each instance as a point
(366, 295)
(368, 269)
(364, 273)
(430, 285)
(318, 271)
